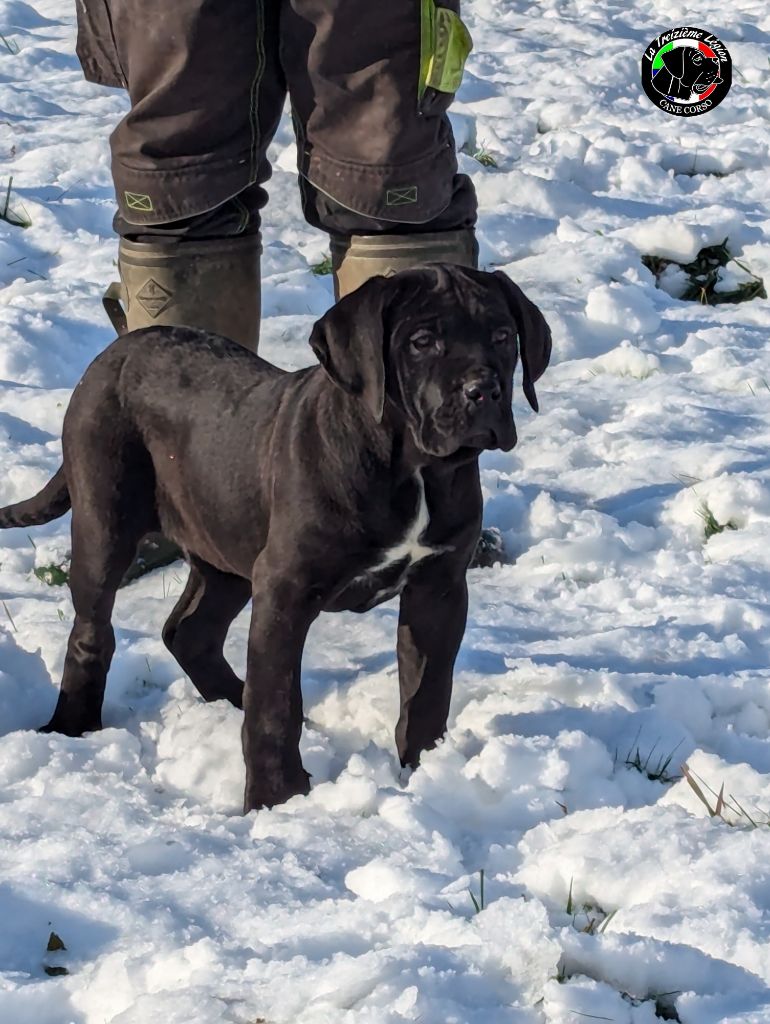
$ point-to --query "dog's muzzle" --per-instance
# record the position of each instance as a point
(708, 77)
(490, 417)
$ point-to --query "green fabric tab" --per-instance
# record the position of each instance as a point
(401, 196)
(445, 43)
(427, 8)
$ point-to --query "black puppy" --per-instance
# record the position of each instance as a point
(687, 71)
(335, 487)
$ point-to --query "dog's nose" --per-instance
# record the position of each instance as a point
(483, 389)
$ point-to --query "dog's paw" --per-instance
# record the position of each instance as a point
(259, 796)
(490, 550)
(71, 727)
(74, 715)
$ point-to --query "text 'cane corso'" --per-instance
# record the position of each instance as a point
(332, 488)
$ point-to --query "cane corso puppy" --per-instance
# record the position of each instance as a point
(336, 487)
(687, 70)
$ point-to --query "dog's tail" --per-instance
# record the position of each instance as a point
(50, 503)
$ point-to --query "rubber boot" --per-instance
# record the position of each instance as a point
(360, 257)
(213, 284)
(208, 283)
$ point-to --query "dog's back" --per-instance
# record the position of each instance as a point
(148, 399)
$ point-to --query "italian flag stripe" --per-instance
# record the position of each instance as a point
(657, 64)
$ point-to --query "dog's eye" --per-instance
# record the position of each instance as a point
(423, 339)
(502, 336)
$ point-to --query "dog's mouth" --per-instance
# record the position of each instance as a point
(703, 86)
(491, 439)
(494, 432)
(503, 435)
(484, 439)
(454, 448)
(499, 438)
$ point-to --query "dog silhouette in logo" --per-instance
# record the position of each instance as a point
(686, 70)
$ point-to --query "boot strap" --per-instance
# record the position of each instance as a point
(112, 302)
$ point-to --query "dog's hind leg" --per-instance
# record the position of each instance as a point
(197, 628)
(103, 545)
(111, 486)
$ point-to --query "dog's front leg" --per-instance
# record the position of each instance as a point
(281, 616)
(431, 623)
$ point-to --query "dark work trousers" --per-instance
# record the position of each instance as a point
(207, 80)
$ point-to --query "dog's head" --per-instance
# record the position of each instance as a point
(694, 69)
(440, 344)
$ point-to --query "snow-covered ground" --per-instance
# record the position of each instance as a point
(619, 638)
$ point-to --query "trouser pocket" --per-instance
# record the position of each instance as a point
(445, 43)
(96, 47)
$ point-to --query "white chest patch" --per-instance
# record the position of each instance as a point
(411, 546)
(410, 549)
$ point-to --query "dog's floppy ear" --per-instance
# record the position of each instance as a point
(534, 335)
(673, 61)
(349, 344)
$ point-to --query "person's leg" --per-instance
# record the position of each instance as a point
(189, 159)
(370, 85)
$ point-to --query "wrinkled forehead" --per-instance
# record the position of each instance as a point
(452, 294)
